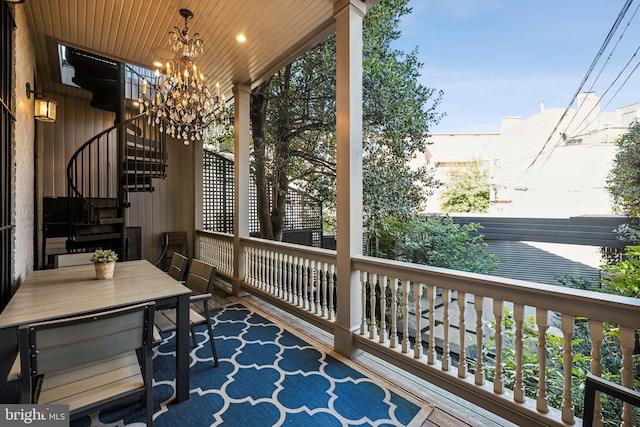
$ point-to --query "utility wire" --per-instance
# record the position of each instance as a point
(606, 91)
(612, 83)
(623, 83)
(606, 42)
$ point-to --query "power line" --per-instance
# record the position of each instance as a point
(610, 85)
(606, 42)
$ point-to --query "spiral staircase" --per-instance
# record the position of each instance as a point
(103, 172)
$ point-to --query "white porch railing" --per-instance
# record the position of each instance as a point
(450, 312)
(216, 249)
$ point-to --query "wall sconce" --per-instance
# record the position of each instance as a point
(44, 109)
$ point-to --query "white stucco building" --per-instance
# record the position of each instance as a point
(553, 164)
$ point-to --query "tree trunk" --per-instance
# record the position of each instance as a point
(259, 101)
(281, 156)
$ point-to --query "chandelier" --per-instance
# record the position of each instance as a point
(180, 101)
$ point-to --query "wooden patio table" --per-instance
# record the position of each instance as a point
(69, 291)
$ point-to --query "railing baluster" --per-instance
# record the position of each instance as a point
(462, 326)
(417, 293)
(301, 282)
(446, 356)
(248, 253)
(518, 387)
(318, 282)
(271, 272)
(331, 286)
(478, 302)
(383, 309)
(373, 279)
(313, 286)
(259, 268)
(627, 342)
(393, 333)
(279, 276)
(266, 275)
(363, 300)
(307, 290)
(255, 267)
(541, 395)
(290, 280)
(595, 333)
(404, 284)
(431, 352)
(567, 362)
(498, 384)
(324, 286)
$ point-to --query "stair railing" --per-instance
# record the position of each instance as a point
(93, 179)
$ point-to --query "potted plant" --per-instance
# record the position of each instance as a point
(104, 261)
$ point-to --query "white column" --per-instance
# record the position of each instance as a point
(241, 127)
(348, 15)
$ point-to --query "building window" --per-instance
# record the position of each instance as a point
(7, 117)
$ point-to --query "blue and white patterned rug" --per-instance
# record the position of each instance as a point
(267, 377)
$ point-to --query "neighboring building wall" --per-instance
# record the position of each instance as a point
(568, 176)
(24, 175)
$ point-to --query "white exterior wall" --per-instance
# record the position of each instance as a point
(23, 170)
(566, 179)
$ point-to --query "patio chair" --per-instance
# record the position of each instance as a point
(89, 362)
(171, 240)
(178, 267)
(200, 280)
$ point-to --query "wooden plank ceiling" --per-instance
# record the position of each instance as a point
(136, 32)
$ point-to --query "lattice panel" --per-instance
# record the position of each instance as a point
(303, 213)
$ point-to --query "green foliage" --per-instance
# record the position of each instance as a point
(625, 275)
(554, 369)
(623, 181)
(467, 189)
(103, 256)
(435, 241)
(298, 145)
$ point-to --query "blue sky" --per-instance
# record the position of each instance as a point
(496, 58)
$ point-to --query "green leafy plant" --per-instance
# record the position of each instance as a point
(623, 181)
(102, 256)
(624, 276)
(467, 189)
(436, 241)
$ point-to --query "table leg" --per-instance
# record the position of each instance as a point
(182, 349)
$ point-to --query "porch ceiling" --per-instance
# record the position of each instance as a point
(135, 31)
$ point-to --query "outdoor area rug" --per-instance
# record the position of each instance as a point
(267, 376)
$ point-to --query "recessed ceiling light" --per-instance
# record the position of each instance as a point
(158, 64)
(241, 38)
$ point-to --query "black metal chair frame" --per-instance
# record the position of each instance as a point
(593, 384)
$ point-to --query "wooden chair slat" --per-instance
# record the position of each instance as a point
(79, 353)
